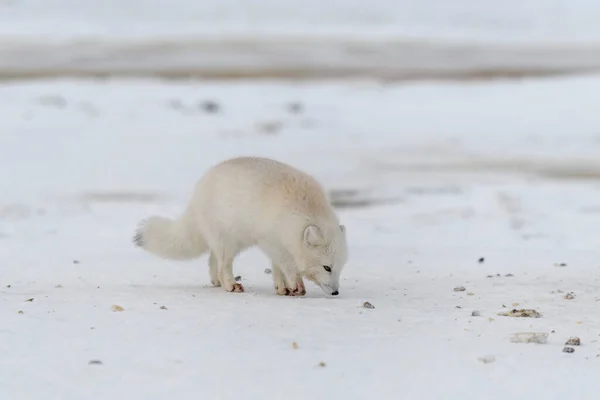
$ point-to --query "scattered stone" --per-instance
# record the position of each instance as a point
(270, 127)
(59, 286)
(509, 275)
(163, 308)
(30, 300)
(294, 345)
(95, 362)
(366, 304)
(487, 359)
(573, 341)
(568, 350)
(20, 312)
(562, 264)
(475, 313)
(481, 260)
(470, 294)
(116, 308)
(238, 278)
(322, 364)
(569, 296)
(295, 107)
(267, 271)
(529, 337)
(459, 289)
(8, 286)
(209, 106)
(522, 313)
(75, 261)
(458, 306)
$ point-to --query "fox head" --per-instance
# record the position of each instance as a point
(324, 254)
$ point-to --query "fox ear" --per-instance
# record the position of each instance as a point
(313, 235)
(343, 229)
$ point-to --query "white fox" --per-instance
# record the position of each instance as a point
(253, 201)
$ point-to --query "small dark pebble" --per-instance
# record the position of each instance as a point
(8, 286)
(475, 313)
(295, 108)
(270, 127)
(238, 278)
(75, 261)
(509, 275)
(574, 341)
(458, 306)
(267, 271)
(459, 289)
(568, 350)
(30, 300)
(366, 304)
(209, 106)
(569, 296)
(481, 260)
(95, 362)
(163, 308)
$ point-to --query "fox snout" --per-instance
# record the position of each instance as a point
(334, 291)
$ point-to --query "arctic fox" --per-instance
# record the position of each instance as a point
(253, 201)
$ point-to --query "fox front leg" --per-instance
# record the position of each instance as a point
(285, 286)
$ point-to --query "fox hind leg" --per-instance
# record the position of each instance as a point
(224, 261)
(214, 270)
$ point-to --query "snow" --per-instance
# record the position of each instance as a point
(523, 21)
(432, 178)
(229, 38)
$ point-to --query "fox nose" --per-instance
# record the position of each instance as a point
(335, 293)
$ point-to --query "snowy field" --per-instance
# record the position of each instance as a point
(390, 39)
(494, 187)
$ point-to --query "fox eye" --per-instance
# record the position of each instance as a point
(327, 268)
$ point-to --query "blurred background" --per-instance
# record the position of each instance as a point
(459, 140)
(112, 100)
(383, 39)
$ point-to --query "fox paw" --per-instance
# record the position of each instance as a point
(300, 289)
(299, 292)
(237, 288)
(284, 291)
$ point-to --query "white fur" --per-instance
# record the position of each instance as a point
(252, 201)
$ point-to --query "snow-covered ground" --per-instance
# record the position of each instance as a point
(429, 179)
(473, 20)
(300, 38)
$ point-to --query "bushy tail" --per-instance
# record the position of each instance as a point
(173, 239)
